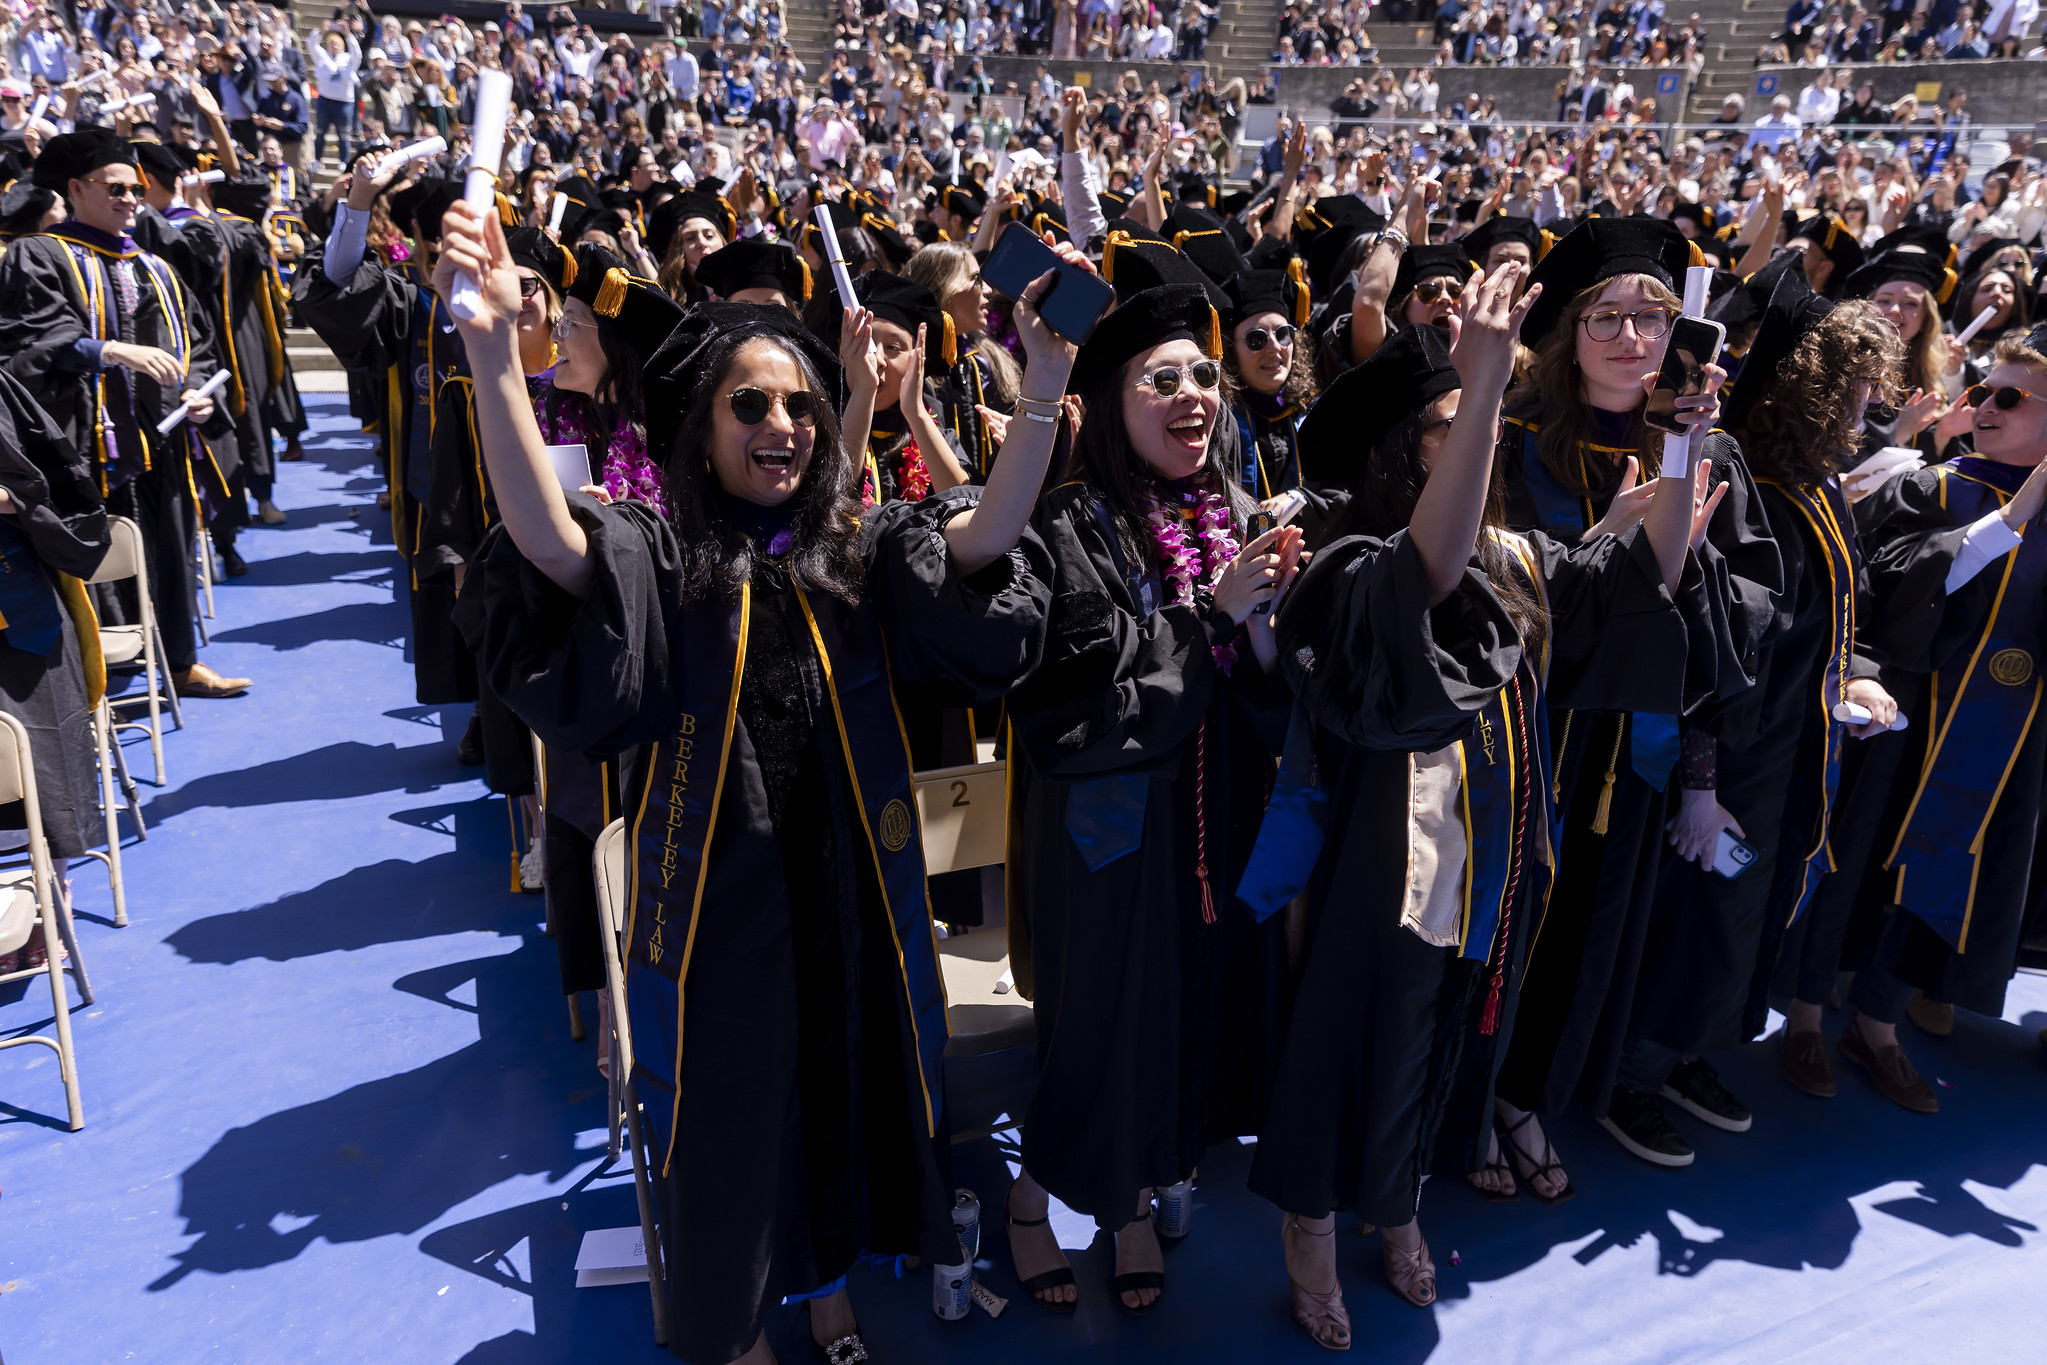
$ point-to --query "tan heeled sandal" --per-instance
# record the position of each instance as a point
(1323, 1315)
(1411, 1273)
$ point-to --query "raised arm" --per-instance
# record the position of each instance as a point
(535, 511)
(1448, 515)
(980, 537)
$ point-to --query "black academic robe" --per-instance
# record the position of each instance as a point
(792, 1091)
(1577, 999)
(194, 246)
(387, 326)
(1394, 1039)
(53, 541)
(1268, 434)
(1155, 1013)
(1714, 941)
(1910, 894)
(254, 298)
(58, 289)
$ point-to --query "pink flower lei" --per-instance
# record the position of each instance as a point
(627, 471)
(1184, 566)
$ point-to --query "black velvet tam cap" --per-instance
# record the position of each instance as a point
(1411, 370)
(1143, 321)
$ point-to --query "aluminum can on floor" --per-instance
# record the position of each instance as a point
(966, 1221)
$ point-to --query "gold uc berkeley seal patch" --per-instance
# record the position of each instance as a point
(896, 824)
(2011, 666)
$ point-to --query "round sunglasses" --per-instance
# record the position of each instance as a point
(2006, 398)
(1258, 338)
(1165, 380)
(751, 406)
(1442, 286)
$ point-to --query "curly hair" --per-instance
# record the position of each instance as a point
(1800, 431)
(1299, 389)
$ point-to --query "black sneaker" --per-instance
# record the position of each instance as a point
(469, 753)
(1638, 1123)
(233, 563)
(1695, 1088)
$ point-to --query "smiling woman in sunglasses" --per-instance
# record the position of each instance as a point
(738, 651)
(1935, 861)
(1269, 368)
(1139, 770)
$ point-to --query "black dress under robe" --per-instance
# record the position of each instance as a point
(802, 1139)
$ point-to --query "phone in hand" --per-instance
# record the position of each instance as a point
(1732, 857)
(1256, 525)
(1694, 344)
(1077, 299)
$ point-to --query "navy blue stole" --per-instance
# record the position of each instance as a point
(1982, 707)
(678, 816)
(1826, 513)
(1259, 477)
(1566, 516)
(28, 607)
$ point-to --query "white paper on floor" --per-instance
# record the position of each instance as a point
(611, 1256)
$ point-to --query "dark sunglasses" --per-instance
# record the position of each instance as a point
(2006, 398)
(529, 285)
(115, 189)
(1165, 380)
(1256, 339)
(751, 406)
(1428, 291)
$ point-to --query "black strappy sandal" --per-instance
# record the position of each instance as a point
(1139, 1279)
(1051, 1279)
(1496, 1168)
(1548, 1165)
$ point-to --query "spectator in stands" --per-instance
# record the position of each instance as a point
(335, 67)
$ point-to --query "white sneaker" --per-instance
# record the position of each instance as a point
(270, 512)
(531, 873)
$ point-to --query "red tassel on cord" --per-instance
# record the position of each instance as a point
(1201, 823)
(1489, 1021)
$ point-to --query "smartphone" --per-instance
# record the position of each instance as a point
(1694, 344)
(1732, 857)
(1078, 297)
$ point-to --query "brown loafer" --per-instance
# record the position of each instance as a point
(1936, 1017)
(201, 681)
(1892, 1071)
(1806, 1064)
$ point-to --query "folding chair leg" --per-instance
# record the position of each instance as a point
(150, 664)
(129, 790)
(576, 1029)
(205, 582)
(656, 1281)
(68, 932)
(163, 662)
(102, 723)
(67, 1060)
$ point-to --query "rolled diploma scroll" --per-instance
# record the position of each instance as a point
(1677, 449)
(822, 215)
(205, 177)
(486, 147)
(184, 408)
(1848, 713)
(557, 211)
(432, 146)
(1968, 333)
(95, 78)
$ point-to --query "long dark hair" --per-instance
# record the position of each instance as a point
(1798, 431)
(620, 399)
(718, 556)
(1383, 501)
(1103, 458)
(1548, 399)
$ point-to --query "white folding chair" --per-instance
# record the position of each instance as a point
(31, 899)
(609, 864)
(140, 643)
(112, 761)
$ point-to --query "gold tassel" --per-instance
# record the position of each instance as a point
(611, 293)
(1117, 237)
(952, 349)
(1599, 822)
(1301, 300)
(1215, 334)
(1947, 287)
(804, 266)
(568, 265)
(508, 213)
(1698, 257)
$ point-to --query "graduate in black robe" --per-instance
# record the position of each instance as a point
(1275, 379)
(53, 535)
(911, 453)
(1570, 431)
(385, 323)
(788, 1017)
(106, 336)
(1958, 567)
(1141, 754)
(1764, 766)
(255, 300)
(1427, 650)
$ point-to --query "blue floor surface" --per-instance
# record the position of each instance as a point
(333, 1113)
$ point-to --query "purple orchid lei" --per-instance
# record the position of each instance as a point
(628, 472)
(1182, 565)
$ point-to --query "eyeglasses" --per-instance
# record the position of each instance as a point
(1165, 380)
(1605, 325)
(1428, 291)
(116, 189)
(1256, 339)
(751, 406)
(529, 285)
(2006, 398)
(562, 325)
